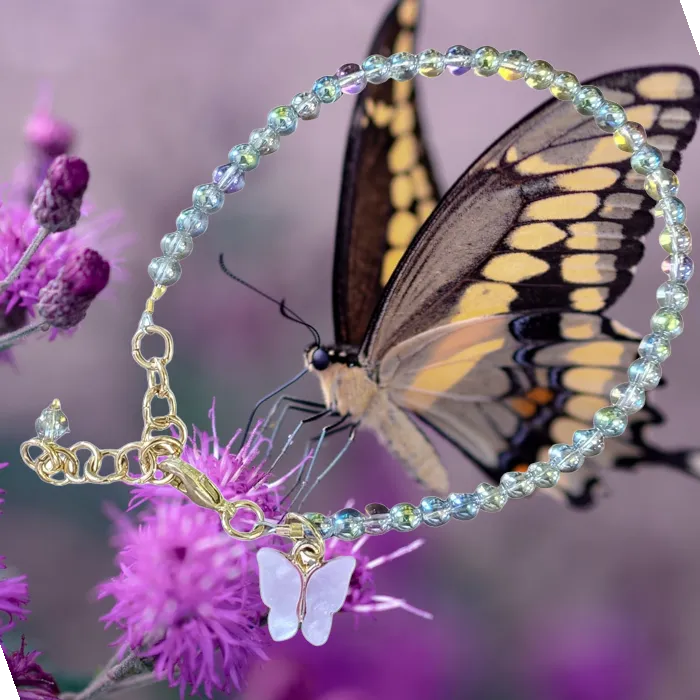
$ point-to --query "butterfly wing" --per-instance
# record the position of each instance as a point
(388, 188)
(326, 591)
(534, 241)
(280, 590)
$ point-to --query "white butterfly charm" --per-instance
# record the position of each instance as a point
(300, 591)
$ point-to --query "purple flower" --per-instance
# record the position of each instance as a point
(33, 683)
(64, 302)
(14, 597)
(44, 133)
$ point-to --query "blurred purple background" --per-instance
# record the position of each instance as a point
(539, 602)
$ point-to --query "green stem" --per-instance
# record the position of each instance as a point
(16, 271)
(9, 339)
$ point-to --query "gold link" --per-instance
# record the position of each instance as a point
(151, 363)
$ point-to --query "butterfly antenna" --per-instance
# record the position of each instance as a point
(284, 309)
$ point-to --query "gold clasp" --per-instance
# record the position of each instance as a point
(198, 487)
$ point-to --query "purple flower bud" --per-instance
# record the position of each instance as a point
(68, 176)
(56, 205)
(33, 683)
(64, 301)
(47, 135)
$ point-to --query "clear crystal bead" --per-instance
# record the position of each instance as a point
(667, 322)
(209, 198)
(662, 183)
(377, 520)
(464, 506)
(588, 100)
(404, 66)
(610, 117)
(655, 346)
(565, 458)
(678, 267)
(52, 424)
(513, 65)
(590, 442)
(485, 61)
(540, 75)
(543, 474)
(193, 221)
(165, 271)
(672, 295)
(629, 398)
(377, 69)
(229, 178)
(646, 373)
(565, 86)
(492, 498)
(676, 239)
(671, 208)
(306, 105)
(267, 140)
(244, 156)
(405, 517)
(431, 63)
(630, 137)
(283, 120)
(611, 421)
(436, 511)
(176, 245)
(518, 484)
(458, 59)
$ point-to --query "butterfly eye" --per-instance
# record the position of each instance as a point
(320, 359)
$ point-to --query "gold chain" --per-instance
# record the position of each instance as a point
(158, 451)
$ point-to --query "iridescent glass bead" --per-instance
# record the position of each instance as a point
(676, 239)
(266, 141)
(492, 498)
(662, 183)
(229, 178)
(322, 523)
(655, 346)
(283, 120)
(193, 221)
(630, 137)
(458, 59)
(435, 511)
(646, 159)
(518, 484)
(667, 322)
(611, 421)
(431, 63)
(377, 520)
(485, 61)
(565, 86)
(405, 517)
(588, 100)
(245, 156)
(543, 474)
(672, 295)
(52, 423)
(629, 398)
(589, 442)
(672, 209)
(540, 75)
(347, 524)
(176, 245)
(565, 458)
(464, 506)
(610, 117)
(678, 267)
(164, 271)
(351, 78)
(645, 372)
(377, 69)
(209, 198)
(327, 89)
(404, 66)
(306, 105)
(513, 65)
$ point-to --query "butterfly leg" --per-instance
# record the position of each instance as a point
(352, 430)
(290, 404)
(293, 434)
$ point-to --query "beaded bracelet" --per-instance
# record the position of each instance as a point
(164, 436)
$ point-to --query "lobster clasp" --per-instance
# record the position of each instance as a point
(198, 487)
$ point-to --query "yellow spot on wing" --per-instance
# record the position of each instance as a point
(535, 236)
(421, 182)
(566, 206)
(403, 153)
(389, 263)
(512, 155)
(514, 267)
(588, 179)
(572, 327)
(485, 299)
(590, 380)
(401, 192)
(537, 165)
(425, 209)
(404, 119)
(402, 91)
(402, 227)
(563, 428)
(584, 406)
(379, 112)
(407, 13)
(587, 235)
(603, 353)
(605, 153)
(588, 298)
(588, 268)
(666, 86)
(404, 41)
(643, 114)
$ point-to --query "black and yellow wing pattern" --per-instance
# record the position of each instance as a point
(491, 327)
